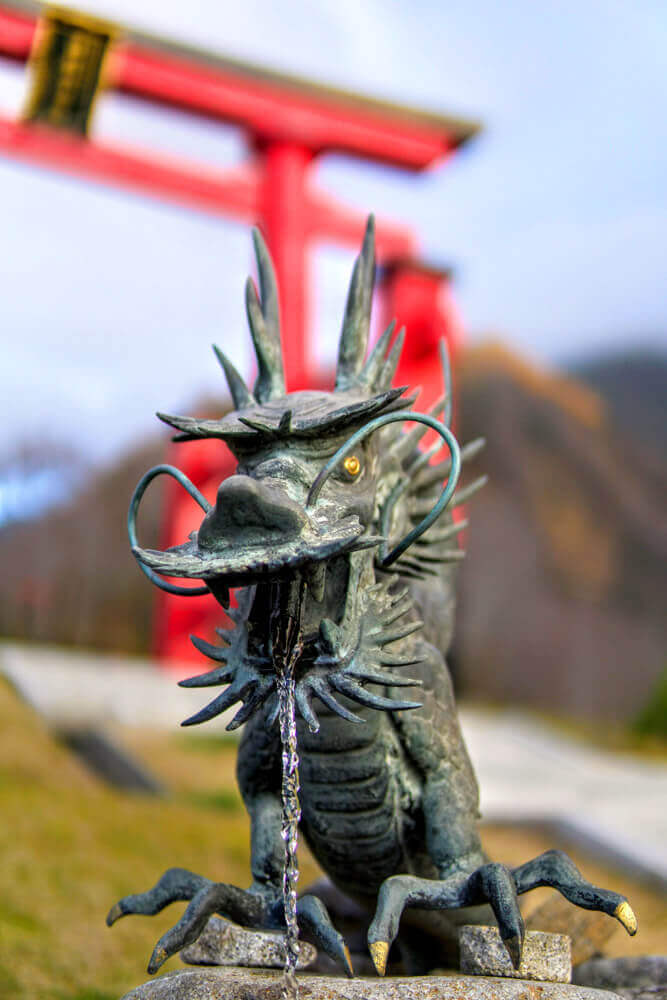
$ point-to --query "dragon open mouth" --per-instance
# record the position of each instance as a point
(237, 563)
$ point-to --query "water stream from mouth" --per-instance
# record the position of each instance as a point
(290, 828)
(287, 641)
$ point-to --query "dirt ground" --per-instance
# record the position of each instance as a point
(70, 847)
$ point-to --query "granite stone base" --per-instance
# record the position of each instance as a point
(220, 983)
(545, 957)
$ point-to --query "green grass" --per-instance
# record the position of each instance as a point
(652, 720)
(70, 847)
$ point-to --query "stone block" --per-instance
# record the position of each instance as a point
(225, 943)
(546, 957)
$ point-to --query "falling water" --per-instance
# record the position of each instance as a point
(290, 826)
(287, 640)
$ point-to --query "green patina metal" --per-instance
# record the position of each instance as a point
(338, 538)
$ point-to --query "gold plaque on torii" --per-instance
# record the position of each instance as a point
(67, 68)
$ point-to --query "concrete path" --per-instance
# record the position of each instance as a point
(615, 804)
(612, 803)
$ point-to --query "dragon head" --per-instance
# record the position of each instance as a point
(302, 528)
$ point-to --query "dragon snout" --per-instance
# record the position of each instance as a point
(247, 512)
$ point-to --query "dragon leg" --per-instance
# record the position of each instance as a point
(496, 885)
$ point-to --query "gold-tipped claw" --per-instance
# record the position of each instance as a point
(348, 962)
(625, 915)
(158, 958)
(114, 913)
(379, 951)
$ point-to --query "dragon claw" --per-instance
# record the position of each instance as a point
(625, 915)
(114, 914)
(514, 947)
(158, 958)
(379, 951)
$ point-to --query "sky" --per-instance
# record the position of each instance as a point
(554, 219)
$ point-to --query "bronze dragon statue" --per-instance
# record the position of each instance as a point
(301, 532)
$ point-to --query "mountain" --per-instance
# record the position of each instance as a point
(69, 576)
(562, 593)
(634, 385)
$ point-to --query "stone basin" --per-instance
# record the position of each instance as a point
(228, 983)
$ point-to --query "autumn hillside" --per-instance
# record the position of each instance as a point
(562, 593)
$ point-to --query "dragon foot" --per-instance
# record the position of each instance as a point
(259, 908)
(253, 909)
(496, 885)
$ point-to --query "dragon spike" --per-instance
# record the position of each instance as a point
(436, 473)
(382, 677)
(415, 566)
(451, 555)
(397, 610)
(433, 537)
(398, 595)
(208, 649)
(407, 442)
(324, 693)
(219, 675)
(215, 707)
(376, 358)
(393, 660)
(356, 692)
(304, 704)
(257, 696)
(241, 394)
(357, 318)
(462, 495)
(264, 323)
(446, 381)
(389, 367)
(401, 632)
(424, 458)
(400, 569)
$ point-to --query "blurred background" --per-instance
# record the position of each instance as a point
(515, 156)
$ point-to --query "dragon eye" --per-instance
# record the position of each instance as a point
(352, 465)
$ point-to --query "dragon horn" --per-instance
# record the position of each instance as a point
(241, 394)
(357, 318)
(264, 322)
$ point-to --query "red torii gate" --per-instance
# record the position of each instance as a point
(288, 123)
